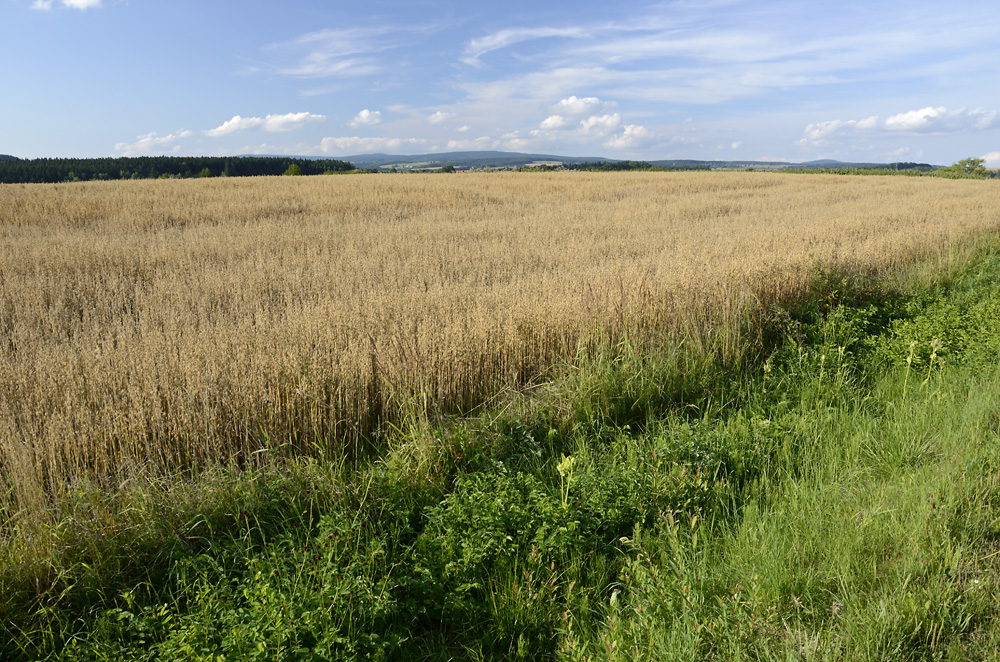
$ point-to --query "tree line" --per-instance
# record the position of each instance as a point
(38, 171)
(618, 166)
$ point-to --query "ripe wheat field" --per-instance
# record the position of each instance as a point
(152, 326)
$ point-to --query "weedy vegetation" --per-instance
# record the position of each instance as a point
(508, 416)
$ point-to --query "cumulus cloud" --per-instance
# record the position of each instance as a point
(631, 136)
(820, 132)
(929, 120)
(736, 144)
(151, 142)
(941, 120)
(366, 118)
(575, 106)
(272, 123)
(463, 128)
(348, 144)
(45, 5)
(236, 124)
(991, 159)
(601, 124)
(290, 121)
(440, 117)
(554, 122)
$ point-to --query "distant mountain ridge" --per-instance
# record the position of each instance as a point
(14, 169)
(474, 159)
(496, 159)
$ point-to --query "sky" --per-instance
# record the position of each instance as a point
(873, 81)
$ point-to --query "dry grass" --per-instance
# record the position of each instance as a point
(154, 325)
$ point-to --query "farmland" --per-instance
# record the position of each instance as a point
(158, 331)
(150, 326)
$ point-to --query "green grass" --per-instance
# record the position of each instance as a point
(833, 495)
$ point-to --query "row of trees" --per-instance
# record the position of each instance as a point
(616, 166)
(152, 167)
(972, 168)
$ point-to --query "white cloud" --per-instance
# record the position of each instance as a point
(296, 149)
(339, 53)
(45, 5)
(601, 124)
(440, 117)
(632, 136)
(463, 128)
(575, 106)
(272, 123)
(290, 121)
(941, 120)
(991, 159)
(348, 144)
(479, 47)
(366, 118)
(554, 122)
(151, 142)
(929, 120)
(736, 144)
(821, 132)
(472, 144)
(236, 124)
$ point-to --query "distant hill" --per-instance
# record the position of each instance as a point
(13, 169)
(482, 159)
(820, 164)
(495, 159)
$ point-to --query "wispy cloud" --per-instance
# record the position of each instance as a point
(45, 5)
(482, 142)
(345, 53)
(151, 142)
(347, 144)
(272, 123)
(676, 55)
(480, 46)
(331, 53)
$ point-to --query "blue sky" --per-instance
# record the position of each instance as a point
(719, 79)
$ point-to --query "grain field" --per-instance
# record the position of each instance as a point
(151, 326)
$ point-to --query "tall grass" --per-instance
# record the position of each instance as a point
(147, 327)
